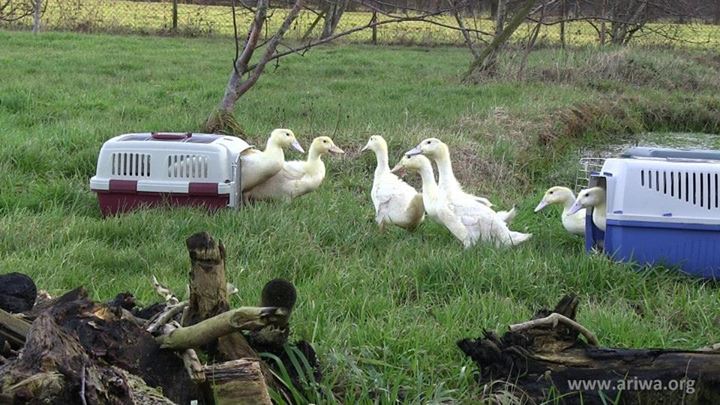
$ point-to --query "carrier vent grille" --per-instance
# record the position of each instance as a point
(701, 189)
(130, 164)
(188, 166)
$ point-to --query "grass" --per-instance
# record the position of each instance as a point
(383, 309)
(154, 17)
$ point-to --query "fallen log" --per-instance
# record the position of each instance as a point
(543, 360)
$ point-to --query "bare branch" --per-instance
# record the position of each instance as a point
(552, 320)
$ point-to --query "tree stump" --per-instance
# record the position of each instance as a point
(208, 298)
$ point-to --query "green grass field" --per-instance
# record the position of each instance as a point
(384, 310)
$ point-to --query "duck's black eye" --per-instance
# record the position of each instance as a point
(551, 192)
(428, 142)
(286, 134)
(324, 141)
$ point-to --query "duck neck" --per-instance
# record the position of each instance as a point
(445, 170)
(314, 161)
(382, 161)
(429, 187)
(568, 202)
(274, 150)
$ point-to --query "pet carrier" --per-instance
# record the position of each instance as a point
(149, 169)
(663, 207)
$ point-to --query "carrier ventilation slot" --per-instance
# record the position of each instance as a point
(188, 166)
(701, 189)
(130, 164)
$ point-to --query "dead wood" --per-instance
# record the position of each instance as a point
(542, 362)
(167, 315)
(208, 295)
(13, 329)
(209, 330)
(76, 338)
(238, 382)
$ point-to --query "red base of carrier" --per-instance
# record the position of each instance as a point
(114, 203)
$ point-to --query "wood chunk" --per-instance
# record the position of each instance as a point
(544, 360)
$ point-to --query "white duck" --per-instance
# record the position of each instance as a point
(466, 218)
(258, 166)
(573, 223)
(592, 197)
(395, 201)
(439, 152)
(297, 177)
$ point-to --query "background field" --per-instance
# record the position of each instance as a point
(156, 17)
(383, 310)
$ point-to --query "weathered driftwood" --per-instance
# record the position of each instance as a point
(208, 298)
(164, 292)
(542, 362)
(208, 295)
(167, 315)
(13, 329)
(238, 382)
(207, 331)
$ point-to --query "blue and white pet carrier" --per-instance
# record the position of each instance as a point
(663, 207)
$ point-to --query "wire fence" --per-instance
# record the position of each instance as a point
(188, 18)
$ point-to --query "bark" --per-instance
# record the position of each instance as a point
(486, 61)
(238, 382)
(333, 13)
(37, 13)
(541, 358)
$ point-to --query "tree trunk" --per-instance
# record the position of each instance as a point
(333, 14)
(543, 362)
(563, 15)
(603, 23)
(37, 13)
(486, 61)
(208, 294)
(238, 382)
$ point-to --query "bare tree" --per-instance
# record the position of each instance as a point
(244, 74)
(14, 10)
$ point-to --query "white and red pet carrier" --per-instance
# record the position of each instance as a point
(150, 169)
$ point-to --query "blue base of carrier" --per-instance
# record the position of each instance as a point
(594, 236)
(693, 248)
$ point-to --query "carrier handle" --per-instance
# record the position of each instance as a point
(171, 135)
